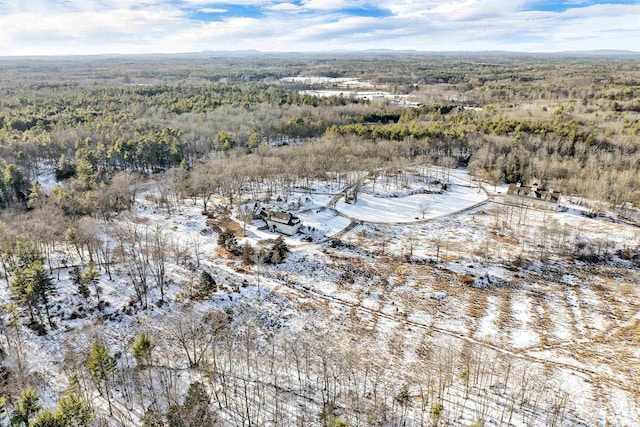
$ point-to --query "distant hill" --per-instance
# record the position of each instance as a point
(337, 52)
(603, 52)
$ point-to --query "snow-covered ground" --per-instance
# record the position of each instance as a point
(47, 179)
(323, 220)
(411, 208)
(497, 189)
(323, 80)
(492, 282)
(349, 87)
(543, 316)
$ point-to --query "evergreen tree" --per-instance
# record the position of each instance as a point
(206, 282)
(141, 348)
(19, 291)
(91, 276)
(101, 366)
(229, 241)
(278, 251)
(153, 418)
(14, 182)
(25, 408)
(32, 287)
(254, 142)
(24, 253)
(35, 195)
(196, 405)
(85, 174)
(47, 418)
(40, 284)
(73, 411)
(225, 141)
(195, 411)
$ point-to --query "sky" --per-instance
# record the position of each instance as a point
(79, 27)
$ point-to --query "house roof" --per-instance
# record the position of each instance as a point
(537, 193)
(280, 217)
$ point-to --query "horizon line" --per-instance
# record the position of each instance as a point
(602, 52)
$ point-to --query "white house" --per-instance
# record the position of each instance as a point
(282, 222)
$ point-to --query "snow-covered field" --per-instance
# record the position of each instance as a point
(338, 81)
(326, 221)
(348, 87)
(411, 208)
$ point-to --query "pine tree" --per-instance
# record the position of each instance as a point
(31, 286)
(85, 174)
(73, 411)
(254, 141)
(141, 348)
(278, 251)
(196, 405)
(47, 418)
(25, 408)
(91, 276)
(229, 241)
(101, 366)
(76, 278)
(195, 411)
(153, 418)
(206, 282)
(14, 182)
(40, 285)
(25, 253)
(19, 291)
(35, 195)
(225, 141)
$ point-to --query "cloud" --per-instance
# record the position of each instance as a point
(284, 7)
(475, 9)
(212, 10)
(137, 26)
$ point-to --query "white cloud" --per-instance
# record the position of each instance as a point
(332, 4)
(284, 7)
(128, 26)
(212, 10)
(476, 9)
(213, 3)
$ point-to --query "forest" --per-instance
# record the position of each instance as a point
(133, 294)
(510, 119)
